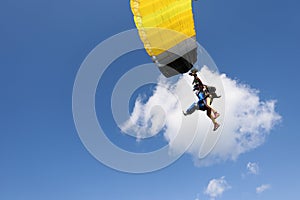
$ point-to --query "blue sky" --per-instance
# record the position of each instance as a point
(43, 44)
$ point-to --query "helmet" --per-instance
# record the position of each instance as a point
(193, 72)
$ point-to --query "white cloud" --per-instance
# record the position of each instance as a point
(149, 118)
(253, 168)
(245, 119)
(262, 188)
(216, 187)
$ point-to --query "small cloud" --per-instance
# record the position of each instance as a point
(253, 168)
(262, 188)
(216, 187)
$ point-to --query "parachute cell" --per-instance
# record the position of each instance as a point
(167, 30)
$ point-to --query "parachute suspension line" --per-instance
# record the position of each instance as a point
(196, 66)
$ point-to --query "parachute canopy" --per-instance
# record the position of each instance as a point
(166, 27)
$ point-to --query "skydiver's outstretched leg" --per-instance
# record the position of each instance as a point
(209, 113)
(213, 119)
(191, 109)
(208, 105)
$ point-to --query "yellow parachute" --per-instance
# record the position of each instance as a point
(166, 27)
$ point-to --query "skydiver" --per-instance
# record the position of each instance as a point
(203, 104)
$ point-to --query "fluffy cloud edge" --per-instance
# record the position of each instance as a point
(262, 188)
(253, 168)
(216, 187)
